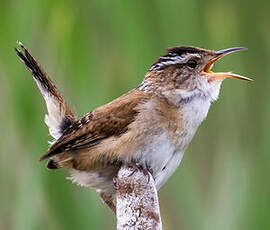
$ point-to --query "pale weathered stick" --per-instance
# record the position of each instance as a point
(137, 204)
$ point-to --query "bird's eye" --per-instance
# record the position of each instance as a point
(192, 63)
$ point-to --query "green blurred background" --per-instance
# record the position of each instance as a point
(97, 50)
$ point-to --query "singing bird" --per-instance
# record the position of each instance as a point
(151, 124)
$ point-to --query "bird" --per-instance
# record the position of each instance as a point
(150, 125)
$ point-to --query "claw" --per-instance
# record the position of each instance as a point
(138, 166)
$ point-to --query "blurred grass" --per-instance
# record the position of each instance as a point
(97, 50)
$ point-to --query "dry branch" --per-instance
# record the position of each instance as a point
(137, 201)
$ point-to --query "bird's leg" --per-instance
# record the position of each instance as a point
(109, 201)
(135, 166)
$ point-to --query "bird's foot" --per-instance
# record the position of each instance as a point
(139, 166)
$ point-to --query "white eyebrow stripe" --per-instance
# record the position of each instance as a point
(171, 59)
(166, 61)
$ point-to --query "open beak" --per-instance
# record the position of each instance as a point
(215, 76)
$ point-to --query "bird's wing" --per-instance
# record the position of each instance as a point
(59, 115)
(108, 120)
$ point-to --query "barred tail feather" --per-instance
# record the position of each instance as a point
(59, 116)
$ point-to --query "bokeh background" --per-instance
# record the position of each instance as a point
(97, 50)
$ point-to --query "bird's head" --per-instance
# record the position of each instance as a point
(186, 70)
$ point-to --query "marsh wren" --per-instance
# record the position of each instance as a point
(152, 124)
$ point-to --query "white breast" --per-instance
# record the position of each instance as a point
(161, 154)
(157, 152)
(194, 113)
